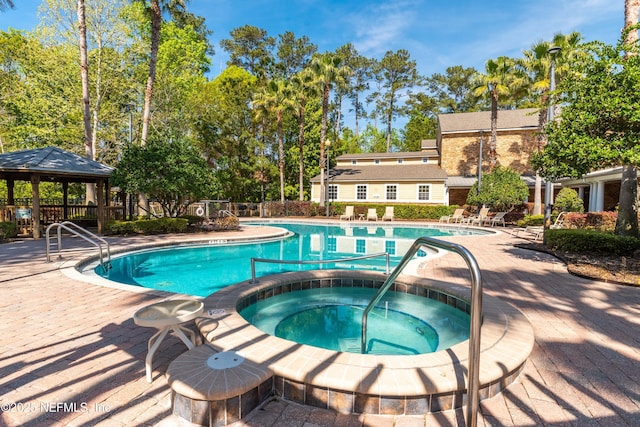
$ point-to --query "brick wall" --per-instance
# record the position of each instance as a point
(460, 152)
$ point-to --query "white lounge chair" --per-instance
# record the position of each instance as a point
(559, 222)
(456, 216)
(372, 215)
(497, 219)
(479, 219)
(388, 213)
(348, 214)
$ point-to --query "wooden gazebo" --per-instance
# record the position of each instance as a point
(52, 164)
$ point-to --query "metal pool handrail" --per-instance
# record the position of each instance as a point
(81, 232)
(476, 314)
(324, 261)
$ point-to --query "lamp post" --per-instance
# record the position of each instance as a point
(327, 144)
(548, 187)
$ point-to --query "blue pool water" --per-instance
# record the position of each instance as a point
(331, 318)
(201, 270)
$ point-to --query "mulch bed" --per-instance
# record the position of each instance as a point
(611, 269)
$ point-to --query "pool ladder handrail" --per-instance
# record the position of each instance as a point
(83, 233)
(322, 261)
(476, 314)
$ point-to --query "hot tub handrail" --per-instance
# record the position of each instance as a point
(476, 314)
(322, 261)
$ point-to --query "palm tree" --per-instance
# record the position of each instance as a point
(501, 80)
(328, 71)
(302, 88)
(537, 64)
(276, 98)
(156, 25)
(6, 4)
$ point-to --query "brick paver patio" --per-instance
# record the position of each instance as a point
(70, 354)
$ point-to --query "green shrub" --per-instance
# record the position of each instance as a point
(531, 220)
(193, 219)
(567, 200)
(148, 226)
(8, 230)
(120, 227)
(592, 242)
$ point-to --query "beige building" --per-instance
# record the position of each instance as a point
(446, 168)
(408, 177)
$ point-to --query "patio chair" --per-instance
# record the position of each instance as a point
(388, 213)
(535, 231)
(497, 219)
(348, 214)
(479, 219)
(372, 215)
(559, 222)
(456, 216)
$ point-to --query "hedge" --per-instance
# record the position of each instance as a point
(148, 226)
(591, 242)
(424, 212)
(8, 230)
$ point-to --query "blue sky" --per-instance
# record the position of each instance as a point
(437, 33)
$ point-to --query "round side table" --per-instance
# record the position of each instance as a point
(168, 316)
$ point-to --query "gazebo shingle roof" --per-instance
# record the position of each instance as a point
(51, 161)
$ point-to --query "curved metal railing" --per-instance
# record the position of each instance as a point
(83, 233)
(324, 261)
(476, 314)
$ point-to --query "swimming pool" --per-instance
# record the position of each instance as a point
(201, 270)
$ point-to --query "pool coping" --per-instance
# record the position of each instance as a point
(82, 269)
(300, 371)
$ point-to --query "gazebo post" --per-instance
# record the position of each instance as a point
(65, 200)
(35, 213)
(10, 195)
(100, 187)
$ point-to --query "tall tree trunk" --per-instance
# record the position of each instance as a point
(301, 148)
(156, 22)
(357, 114)
(280, 156)
(389, 119)
(323, 135)
(86, 110)
(627, 222)
(493, 157)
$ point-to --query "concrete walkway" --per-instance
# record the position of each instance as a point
(70, 354)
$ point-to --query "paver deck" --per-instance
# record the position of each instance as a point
(70, 354)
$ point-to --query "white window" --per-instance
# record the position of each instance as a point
(333, 192)
(391, 192)
(361, 192)
(424, 192)
(425, 160)
(354, 162)
(400, 161)
(361, 246)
